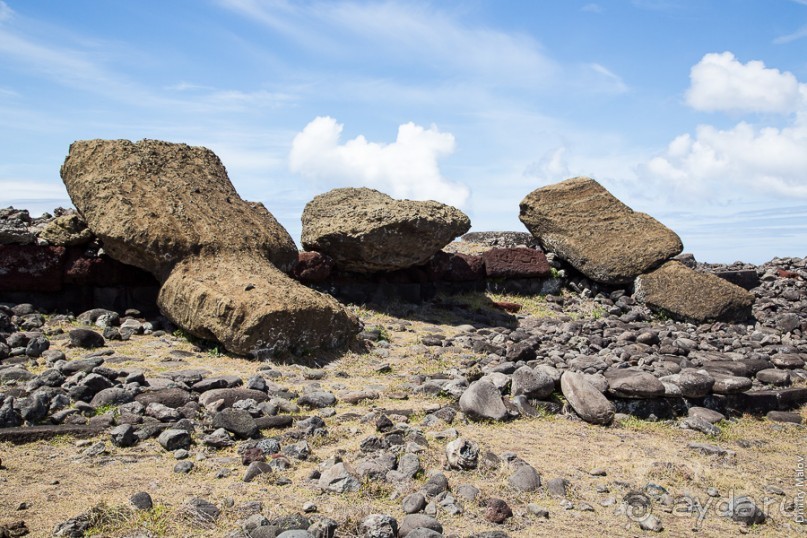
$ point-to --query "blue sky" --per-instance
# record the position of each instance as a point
(694, 111)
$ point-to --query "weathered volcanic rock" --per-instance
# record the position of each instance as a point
(171, 210)
(691, 295)
(154, 203)
(454, 267)
(255, 306)
(31, 268)
(586, 400)
(364, 230)
(630, 383)
(313, 267)
(482, 400)
(515, 263)
(67, 230)
(598, 235)
(14, 227)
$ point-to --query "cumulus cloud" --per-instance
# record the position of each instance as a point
(719, 82)
(743, 160)
(406, 168)
(746, 162)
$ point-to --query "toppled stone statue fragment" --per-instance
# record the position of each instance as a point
(690, 295)
(170, 209)
(364, 230)
(598, 235)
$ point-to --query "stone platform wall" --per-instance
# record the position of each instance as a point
(77, 278)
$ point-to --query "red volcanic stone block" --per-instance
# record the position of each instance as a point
(31, 268)
(515, 263)
(456, 267)
(507, 306)
(313, 267)
(784, 273)
(101, 270)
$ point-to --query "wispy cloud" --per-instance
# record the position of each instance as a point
(405, 33)
(801, 33)
(5, 12)
(592, 8)
(610, 81)
(70, 67)
(434, 48)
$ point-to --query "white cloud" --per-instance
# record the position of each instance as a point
(406, 168)
(717, 165)
(747, 161)
(719, 82)
(5, 11)
(592, 8)
(551, 167)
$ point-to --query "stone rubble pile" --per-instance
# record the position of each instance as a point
(619, 358)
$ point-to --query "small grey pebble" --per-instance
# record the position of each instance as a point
(184, 466)
(537, 510)
(651, 523)
(141, 501)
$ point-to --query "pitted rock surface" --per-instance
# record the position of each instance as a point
(584, 224)
(365, 230)
(250, 306)
(692, 295)
(155, 203)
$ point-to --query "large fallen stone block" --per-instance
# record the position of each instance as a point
(689, 295)
(584, 224)
(155, 203)
(252, 307)
(170, 209)
(365, 231)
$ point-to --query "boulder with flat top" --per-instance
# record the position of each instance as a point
(585, 225)
(365, 230)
